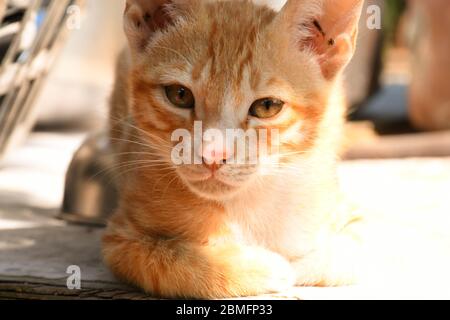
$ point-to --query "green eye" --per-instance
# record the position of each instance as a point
(266, 108)
(180, 97)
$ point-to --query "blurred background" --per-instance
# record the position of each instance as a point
(57, 67)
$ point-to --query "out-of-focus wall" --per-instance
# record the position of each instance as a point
(429, 96)
(80, 82)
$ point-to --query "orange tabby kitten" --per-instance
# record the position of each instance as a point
(219, 229)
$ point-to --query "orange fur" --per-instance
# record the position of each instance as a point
(248, 233)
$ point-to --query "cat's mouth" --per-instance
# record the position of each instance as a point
(212, 188)
(210, 178)
(211, 185)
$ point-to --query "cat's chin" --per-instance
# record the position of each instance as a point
(212, 189)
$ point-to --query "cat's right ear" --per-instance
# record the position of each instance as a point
(325, 28)
(143, 18)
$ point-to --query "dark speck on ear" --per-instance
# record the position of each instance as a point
(319, 27)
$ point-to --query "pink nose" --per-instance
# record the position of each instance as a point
(215, 154)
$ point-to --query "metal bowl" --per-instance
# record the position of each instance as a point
(90, 195)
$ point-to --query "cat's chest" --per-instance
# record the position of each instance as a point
(277, 222)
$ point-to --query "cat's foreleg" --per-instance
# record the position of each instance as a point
(337, 260)
(177, 268)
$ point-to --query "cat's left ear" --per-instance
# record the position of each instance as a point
(328, 28)
(143, 18)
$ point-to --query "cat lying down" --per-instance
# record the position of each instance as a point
(215, 227)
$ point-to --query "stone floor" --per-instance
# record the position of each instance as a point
(409, 197)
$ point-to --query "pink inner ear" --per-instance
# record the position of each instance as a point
(153, 20)
(159, 19)
(318, 40)
(144, 17)
(333, 53)
(152, 14)
(329, 30)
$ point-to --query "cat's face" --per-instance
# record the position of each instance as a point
(226, 66)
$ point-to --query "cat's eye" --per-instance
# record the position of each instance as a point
(266, 108)
(180, 96)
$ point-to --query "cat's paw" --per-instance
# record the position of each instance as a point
(254, 271)
(281, 276)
